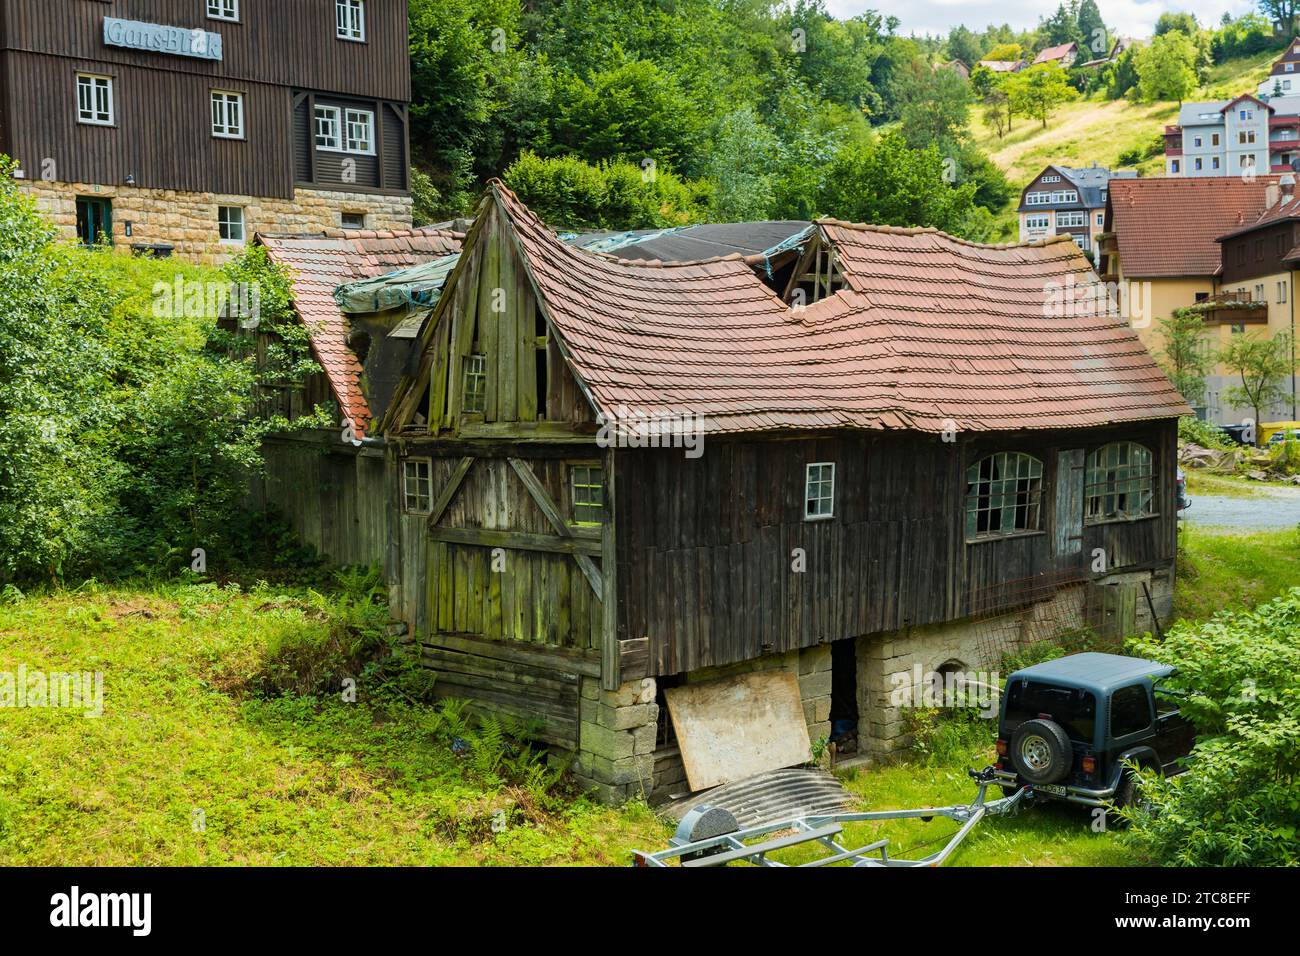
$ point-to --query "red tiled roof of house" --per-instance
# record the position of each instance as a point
(319, 263)
(1166, 227)
(1054, 53)
(931, 331)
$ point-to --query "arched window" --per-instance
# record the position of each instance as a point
(1121, 482)
(1004, 494)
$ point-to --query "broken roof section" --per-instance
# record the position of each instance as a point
(930, 333)
(420, 286)
(319, 263)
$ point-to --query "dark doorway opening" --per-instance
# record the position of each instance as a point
(94, 221)
(844, 696)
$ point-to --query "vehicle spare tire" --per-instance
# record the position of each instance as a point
(1041, 751)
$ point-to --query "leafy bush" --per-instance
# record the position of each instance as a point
(568, 193)
(1239, 802)
(1196, 431)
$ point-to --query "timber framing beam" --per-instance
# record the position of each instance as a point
(548, 508)
(449, 491)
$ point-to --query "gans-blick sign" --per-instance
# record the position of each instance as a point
(154, 38)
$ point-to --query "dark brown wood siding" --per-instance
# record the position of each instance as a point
(1258, 253)
(284, 42)
(162, 103)
(706, 547)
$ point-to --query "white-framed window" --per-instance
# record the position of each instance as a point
(1289, 67)
(94, 99)
(1174, 166)
(1214, 162)
(1065, 195)
(350, 19)
(1259, 293)
(230, 223)
(1196, 141)
(328, 121)
(360, 131)
(1101, 219)
(1246, 114)
(417, 485)
(1245, 137)
(223, 10)
(1038, 199)
(819, 491)
(1070, 218)
(1281, 292)
(587, 493)
(1037, 222)
(1051, 179)
(475, 398)
(227, 115)
(1197, 162)
(1214, 139)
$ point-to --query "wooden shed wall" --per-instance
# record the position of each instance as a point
(705, 546)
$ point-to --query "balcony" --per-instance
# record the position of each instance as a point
(1232, 308)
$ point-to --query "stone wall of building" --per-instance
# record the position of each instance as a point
(616, 739)
(897, 667)
(188, 221)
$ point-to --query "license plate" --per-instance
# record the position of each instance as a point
(1050, 788)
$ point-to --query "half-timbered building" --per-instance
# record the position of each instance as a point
(882, 452)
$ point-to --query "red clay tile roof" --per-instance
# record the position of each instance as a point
(931, 329)
(1055, 52)
(320, 263)
(1166, 226)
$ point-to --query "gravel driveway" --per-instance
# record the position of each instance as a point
(1274, 508)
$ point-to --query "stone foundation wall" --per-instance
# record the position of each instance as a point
(903, 660)
(188, 221)
(616, 739)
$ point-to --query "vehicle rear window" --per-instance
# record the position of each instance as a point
(1074, 710)
(1129, 711)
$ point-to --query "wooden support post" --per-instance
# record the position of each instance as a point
(610, 652)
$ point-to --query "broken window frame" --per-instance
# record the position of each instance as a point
(474, 399)
(417, 486)
(1119, 483)
(587, 493)
(1008, 485)
(819, 491)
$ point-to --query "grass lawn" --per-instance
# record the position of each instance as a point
(1201, 482)
(286, 781)
(1219, 570)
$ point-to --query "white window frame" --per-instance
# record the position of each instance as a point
(1196, 163)
(1071, 219)
(1174, 166)
(223, 114)
(1214, 162)
(1196, 141)
(335, 117)
(349, 119)
(417, 486)
(1038, 199)
(1038, 221)
(227, 223)
(474, 384)
(1051, 179)
(95, 83)
(224, 10)
(1101, 219)
(350, 20)
(819, 491)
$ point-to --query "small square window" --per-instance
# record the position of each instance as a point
(417, 485)
(327, 127)
(361, 131)
(350, 19)
(223, 10)
(227, 115)
(475, 384)
(230, 223)
(819, 491)
(94, 99)
(588, 494)
(354, 220)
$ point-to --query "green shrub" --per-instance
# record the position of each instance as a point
(1239, 802)
(1194, 431)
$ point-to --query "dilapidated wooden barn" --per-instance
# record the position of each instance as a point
(881, 452)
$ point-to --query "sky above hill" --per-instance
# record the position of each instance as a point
(1134, 18)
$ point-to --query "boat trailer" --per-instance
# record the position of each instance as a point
(708, 836)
